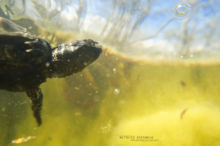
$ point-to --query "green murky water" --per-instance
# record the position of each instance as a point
(120, 102)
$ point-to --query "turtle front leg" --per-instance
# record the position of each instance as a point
(36, 97)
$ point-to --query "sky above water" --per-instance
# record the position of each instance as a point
(165, 28)
(169, 24)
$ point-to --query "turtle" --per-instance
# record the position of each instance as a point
(26, 61)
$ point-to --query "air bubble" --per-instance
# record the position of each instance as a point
(116, 91)
(182, 9)
(114, 70)
(47, 64)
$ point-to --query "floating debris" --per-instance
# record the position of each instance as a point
(183, 113)
(23, 139)
(29, 50)
(183, 84)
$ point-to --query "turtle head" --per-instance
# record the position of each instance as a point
(73, 57)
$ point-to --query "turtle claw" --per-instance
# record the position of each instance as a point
(36, 97)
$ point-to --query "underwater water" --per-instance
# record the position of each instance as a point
(133, 94)
(120, 102)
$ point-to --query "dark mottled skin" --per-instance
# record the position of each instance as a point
(20, 70)
(26, 62)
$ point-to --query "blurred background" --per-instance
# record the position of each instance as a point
(156, 83)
